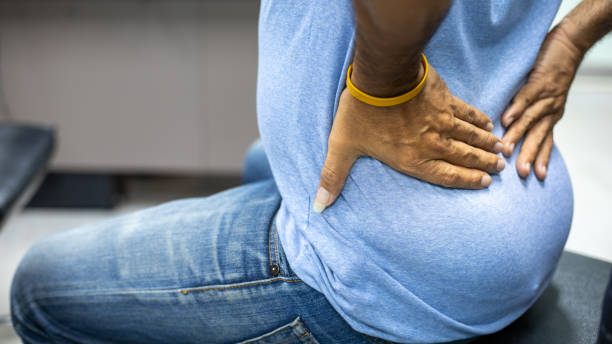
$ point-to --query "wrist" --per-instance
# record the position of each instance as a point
(388, 76)
(578, 40)
(588, 22)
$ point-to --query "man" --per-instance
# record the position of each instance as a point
(393, 245)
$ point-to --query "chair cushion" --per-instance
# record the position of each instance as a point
(24, 152)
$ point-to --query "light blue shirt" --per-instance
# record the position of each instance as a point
(399, 258)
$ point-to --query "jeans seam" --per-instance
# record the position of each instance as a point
(39, 298)
(305, 334)
(269, 245)
(186, 291)
(270, 238)
(274, 234)
(275, 331)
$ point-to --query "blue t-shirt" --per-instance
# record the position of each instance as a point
(399, 258)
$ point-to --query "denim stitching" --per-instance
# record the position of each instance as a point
(273, 332)
(271, 237)
(306, 334)
(40, 297)
(274, 234)
(269, 242)
(242, 285)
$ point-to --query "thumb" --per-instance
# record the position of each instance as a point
(335, 170)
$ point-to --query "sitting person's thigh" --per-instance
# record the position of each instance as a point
(193, 270)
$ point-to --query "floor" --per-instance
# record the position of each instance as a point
(28, 226)
(582, 137)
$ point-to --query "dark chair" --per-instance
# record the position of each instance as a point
(569, 310)
(25, 151)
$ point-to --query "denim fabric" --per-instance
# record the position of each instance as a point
(399, 258)
(198, 270)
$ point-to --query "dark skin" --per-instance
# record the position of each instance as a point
(435, 137)
(540, 103)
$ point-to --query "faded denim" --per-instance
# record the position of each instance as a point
(198, 270)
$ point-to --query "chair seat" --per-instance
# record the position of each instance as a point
(24, 152)
(568, 311)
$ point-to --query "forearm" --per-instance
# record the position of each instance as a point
(391, 35)
(588, 22)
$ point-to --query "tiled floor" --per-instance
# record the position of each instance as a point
(582, 137)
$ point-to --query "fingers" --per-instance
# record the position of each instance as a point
(451, 176)
(524, 123)
(531, 145)
(475, 136)
(522, 100)
(541, 162)
(470, 114)
(462, 154)
(335, 170)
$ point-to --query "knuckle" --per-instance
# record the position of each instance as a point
(456, 125)
(437, 144)
(471, 114)
(528, 120)
(329, 177)
(472, 137)
(521, 127)
(447, 121)
(450, 178)
(471, 156)
(527, 99)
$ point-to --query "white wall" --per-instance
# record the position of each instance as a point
(146, 85)
(142, 86)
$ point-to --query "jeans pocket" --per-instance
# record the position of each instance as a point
(294, 332)
(279, 265)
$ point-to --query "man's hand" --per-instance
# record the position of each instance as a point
(435, 137)
(540, 103)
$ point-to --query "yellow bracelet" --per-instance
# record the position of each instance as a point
(383, 102)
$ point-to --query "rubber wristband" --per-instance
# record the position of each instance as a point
(384, 102)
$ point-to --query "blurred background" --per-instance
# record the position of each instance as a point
(155, 100)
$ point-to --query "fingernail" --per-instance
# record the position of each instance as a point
(509, 121)
(511, 148)
(485, 181)
(498, 147)
(542, 170)
(527, 166)
(501, 164)
(321, 200)
(489, 126)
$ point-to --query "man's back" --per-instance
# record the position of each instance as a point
(397, 257)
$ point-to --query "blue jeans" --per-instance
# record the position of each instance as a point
(199, 270)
